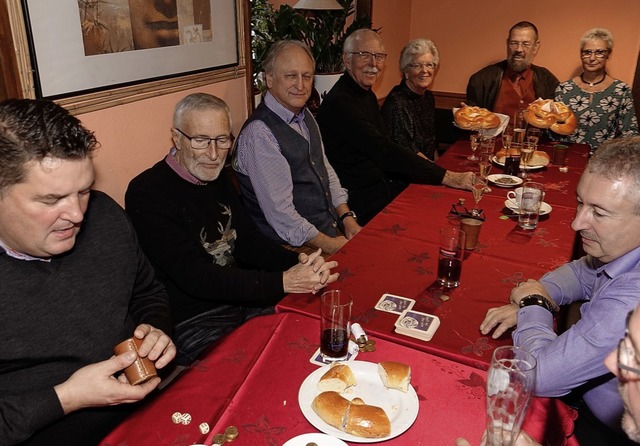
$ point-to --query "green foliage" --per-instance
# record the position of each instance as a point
(323, 31)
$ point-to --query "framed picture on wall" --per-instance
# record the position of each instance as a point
(83, 46)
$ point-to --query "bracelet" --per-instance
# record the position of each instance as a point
(347, 214)
(537, 299)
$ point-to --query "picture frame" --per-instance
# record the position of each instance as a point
(65, 66)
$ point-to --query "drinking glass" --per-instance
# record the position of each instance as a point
(510, 384)
(487, 147)
(335, 324)
(530, 202)
(478, 187)
(474, 138)
(450, 255)
(533, 136)
(507, 137)
(528, 148)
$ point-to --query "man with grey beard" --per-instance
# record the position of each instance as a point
(513, 83)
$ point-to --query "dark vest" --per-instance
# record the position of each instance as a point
(311, 193)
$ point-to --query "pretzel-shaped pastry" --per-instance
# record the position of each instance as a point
(547, 114)
(470, 117)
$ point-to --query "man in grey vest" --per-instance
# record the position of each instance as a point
(289, 187)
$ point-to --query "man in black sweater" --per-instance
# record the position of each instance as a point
(218, 269)
(73, 284)
(372, 167)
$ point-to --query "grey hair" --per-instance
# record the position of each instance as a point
(523, 25)
(279, 46)
(597, 34)
(618, 159)
(198, 101)
(350, 41)
(418, 47)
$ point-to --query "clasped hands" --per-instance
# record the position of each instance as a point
(501, 319)
(310, 275)
(104, 384)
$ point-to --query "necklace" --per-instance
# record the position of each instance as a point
(592, 84)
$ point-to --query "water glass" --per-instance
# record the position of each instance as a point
(510, 384)
(450, 254)
(530, 202)
(335, 324)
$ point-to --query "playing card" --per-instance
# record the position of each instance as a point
(418, 325)
(351, 355)
(394, 304)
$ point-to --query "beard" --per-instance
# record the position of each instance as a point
(629, 424)
(518, 65)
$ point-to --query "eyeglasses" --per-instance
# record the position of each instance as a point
(627, 362)
(201, 142)
(419, 66)
(515, 44)
(462, 211)
(367, 56)
(600, 54)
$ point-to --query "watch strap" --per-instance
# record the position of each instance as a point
(537, 299)
(347, 214)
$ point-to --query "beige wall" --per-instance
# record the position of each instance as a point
(470, 37)
(135, 136)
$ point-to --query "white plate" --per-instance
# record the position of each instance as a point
(400, 407)
(495, 177)
(544, 207)
(319, 439)
(537, 162)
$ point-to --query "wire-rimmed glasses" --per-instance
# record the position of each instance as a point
(628, 367)
(202, 142)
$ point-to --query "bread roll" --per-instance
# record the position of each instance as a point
(355, 418)
(367, 421)
(337, 379)
(332, 408)
(395, 375)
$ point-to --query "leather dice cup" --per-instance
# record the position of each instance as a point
(142, 370)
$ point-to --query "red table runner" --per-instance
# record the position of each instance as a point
(397, 253)
(251, 380)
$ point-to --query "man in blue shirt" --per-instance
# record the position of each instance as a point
(606, 280)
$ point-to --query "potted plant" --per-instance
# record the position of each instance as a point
(323, 31)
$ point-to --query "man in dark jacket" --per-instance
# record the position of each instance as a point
(372, 167)
(513, 83)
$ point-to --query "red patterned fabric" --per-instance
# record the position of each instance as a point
(251, 381)
(397, 253)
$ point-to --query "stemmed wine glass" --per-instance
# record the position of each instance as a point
(474, 138)
(507, 137)
(528, 149)
(478, 187)
(487, 147)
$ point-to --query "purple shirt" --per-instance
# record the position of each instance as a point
(609, 292)
(259, 157)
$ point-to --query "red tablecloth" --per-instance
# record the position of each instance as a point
(397, 253)
(251, 379)
(560, 186)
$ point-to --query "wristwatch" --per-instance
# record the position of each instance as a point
(347, 214)
(537, 299)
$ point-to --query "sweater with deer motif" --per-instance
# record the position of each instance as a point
(203, 244)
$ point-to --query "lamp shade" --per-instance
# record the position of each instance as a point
(317, 4)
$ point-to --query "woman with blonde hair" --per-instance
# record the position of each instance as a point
(603, 105)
